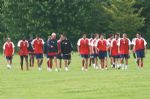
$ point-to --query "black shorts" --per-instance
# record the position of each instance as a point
(116, 56)
(85, 56)
(9, 57)
(94, 55)
(50, 56)
(25, 56)
(102, 54)
(31, 53)
(59, 56)
(140, 53)
(66, 57)
(39, 56)
(126, 56)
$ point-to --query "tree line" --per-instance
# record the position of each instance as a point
(30, 17)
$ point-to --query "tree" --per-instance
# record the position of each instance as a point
(29, 17)
(124, 17)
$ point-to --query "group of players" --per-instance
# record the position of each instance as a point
(51, 49)
(117, 47)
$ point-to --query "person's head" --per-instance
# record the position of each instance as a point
(64, 36)
(31, 38)
(8, 39)
(53, 36)
(84, 35)
(37, 36)
(101, 36)
(124, 35)
(138, 35)
(117, 35)
(23, 38)
(61, 37)
(96, 35)
(49, 37)
(111, 36)
(92, 36)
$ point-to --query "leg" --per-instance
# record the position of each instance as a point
(95, 61)
(69, 61)
(8, 62)
(86, 63)
(90, 61)
(105, 62)
(21, 62)
(114, 62)
(126, 66)
(38, 62)
(142, 64)
(32, 60)
(48, 63)
(51, 62)
(41, 61)
(26, 59)
(138, 62)
(121, 62)
(118, 62)
(111, 60)
(102, 63)
(55, 61)
(66, 64)
(83, 62)
(60, 63)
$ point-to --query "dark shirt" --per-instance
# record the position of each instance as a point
(51, 46)
(66, 47)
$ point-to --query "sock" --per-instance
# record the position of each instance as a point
(126, 66)
(122, 66)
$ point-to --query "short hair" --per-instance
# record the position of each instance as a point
(110, 35)
(23, 37)
(100, 34)
(8, 38)
(92, 35)
(96, 34)
(84, 33)
(117, 34)
(53, 34)
(64, 34)
(37, 35)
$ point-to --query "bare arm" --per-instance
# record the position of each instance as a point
(3, 52)
(78, 49)
(13, 51)
(145, 49)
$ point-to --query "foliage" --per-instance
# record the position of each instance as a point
(30, 17)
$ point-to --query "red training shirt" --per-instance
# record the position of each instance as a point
(84, 46)
(23, 45)
(8, 48)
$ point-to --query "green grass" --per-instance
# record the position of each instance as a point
(94, 84)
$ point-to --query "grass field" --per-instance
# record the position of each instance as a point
(94, 84)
